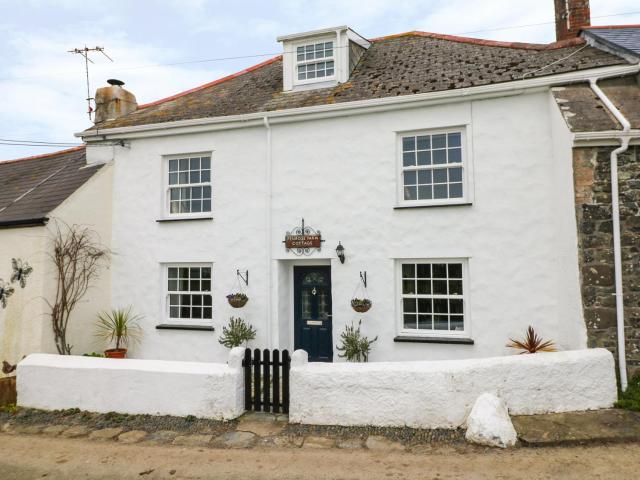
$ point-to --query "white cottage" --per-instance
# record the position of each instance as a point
(429, 173)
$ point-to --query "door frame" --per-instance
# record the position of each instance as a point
(309, 264)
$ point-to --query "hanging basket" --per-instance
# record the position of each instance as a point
(237, 300)
(361, 305)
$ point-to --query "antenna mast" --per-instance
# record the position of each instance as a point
(85, 53)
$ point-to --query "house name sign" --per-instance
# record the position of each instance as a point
(303, 240)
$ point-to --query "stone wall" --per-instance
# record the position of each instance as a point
(595, 238)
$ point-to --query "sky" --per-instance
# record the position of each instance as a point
(44, 87)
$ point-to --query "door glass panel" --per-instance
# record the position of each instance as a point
(322, 303)
(313, 278)
(306, 304)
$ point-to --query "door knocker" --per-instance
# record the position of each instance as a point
(313, 292)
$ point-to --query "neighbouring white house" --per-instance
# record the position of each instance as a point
(38, 195)
(429, 173)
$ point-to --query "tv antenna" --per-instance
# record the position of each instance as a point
(85, 53)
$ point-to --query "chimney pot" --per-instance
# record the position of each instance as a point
(113, 101)
(571, 17)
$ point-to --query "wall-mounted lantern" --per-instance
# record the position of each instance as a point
(340, 252)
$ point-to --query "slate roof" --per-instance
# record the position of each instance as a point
(584, 112)
(405, 64)
(30, 188)
(625, 37)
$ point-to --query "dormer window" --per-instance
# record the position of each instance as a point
(320, 59)
(308, 66)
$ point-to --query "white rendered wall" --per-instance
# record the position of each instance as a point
(441, 394)
(206, 390)
(25, 325)
(340, 175)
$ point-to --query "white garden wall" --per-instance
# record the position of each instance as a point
(441, 394)
(206, 390)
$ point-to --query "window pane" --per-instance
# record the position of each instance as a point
(206, 313)
(408, 143)
(173, 165)
(206, 192)
(425, 322)
(409, 305)
(206, 206)
(439, 141)
(409, 159)
(196, 312)
(440, 322)
(173, 285)
(439, 287)
(440, 305)
(196, 206)
(424, 270)
(455, 190)
(205, 176)
(410, 321)
(440, 175)
(410, 177)
(207, 300)
(454, 139)
(457, 322)
(455, 306)
(184, 164)
(206, 285)
(425, 176)
(194, 177)
(185, 299)
(424, 305)
(425, 192)
(424, 287)
(205, 272)
(424, 142)
(194, 163)
(455, 287)
(174, 299)
(424, 158)
(439, 157)
(439, 270)
(184, 272)
(455, 155)
(408, 270)
(173, 178)
(184, 177)
(440, 191)
(410, 193)
(185, 312)
(205, 163)
(173, 272)
(408, 287)
(174, 312)
(194, 285)
(455, 270)
(455, 174)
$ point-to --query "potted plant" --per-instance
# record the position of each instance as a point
(361, 305)
(237, 300)
(354, 346)
(236, 333)
(532, 343)
(119, 326)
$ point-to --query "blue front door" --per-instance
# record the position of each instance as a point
(312, 321)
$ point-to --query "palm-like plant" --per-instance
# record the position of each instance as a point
(119, 325)
(532, 343)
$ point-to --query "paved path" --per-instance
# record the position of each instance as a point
(25, 457)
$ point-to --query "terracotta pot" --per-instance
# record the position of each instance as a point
(116, 353)
(237, 302)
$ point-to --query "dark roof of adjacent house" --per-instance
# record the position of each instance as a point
(624, 37)
(405, 64)
(30, 188)
(584, 112)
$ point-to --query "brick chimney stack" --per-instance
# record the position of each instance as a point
(571, 16)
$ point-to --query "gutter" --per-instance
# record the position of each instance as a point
(624, 137)
(269, 188)
(24, 222)
(359, 106)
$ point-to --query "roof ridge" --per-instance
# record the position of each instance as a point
(595, 27)
(43, 155)
(211, 84)
(488, 43)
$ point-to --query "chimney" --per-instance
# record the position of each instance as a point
(571, 16)
(113, 101)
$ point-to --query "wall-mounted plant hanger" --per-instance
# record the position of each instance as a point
(361, 304)
(244, 277)
(363, 278)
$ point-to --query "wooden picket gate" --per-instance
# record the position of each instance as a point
(266, 380)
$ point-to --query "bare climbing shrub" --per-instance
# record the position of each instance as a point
(78, 257)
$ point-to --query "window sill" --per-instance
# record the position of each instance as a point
(183, 219)
(171, 326)
(449, 340)
(433, 205)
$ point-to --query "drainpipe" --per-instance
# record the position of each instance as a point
(269, 194)
(615, 213)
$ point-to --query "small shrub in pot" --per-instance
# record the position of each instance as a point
(236, 333)
(119, 326)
